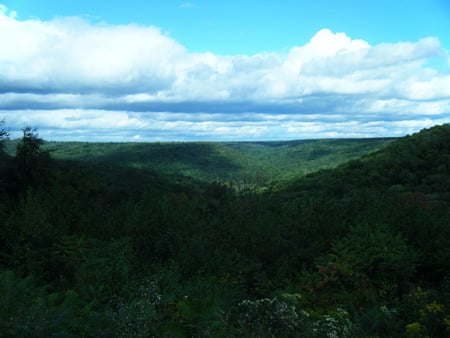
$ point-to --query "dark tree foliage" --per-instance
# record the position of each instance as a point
(32, 163)
(4, 167)
(104, 250)
(29, 150)
(4, 135)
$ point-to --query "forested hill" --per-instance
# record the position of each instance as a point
(255, 163)
(90, 248)
(419, 163)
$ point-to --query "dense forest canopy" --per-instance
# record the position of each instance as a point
(147, 240)
(248, 163)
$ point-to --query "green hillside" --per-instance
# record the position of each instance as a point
(417, 163)
(97, 242)
(282, 161)
(256, 163)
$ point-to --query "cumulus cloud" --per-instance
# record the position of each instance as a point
(68, 75)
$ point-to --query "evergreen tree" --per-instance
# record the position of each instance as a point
(29, 149)
(4, 161)
(3, 136)
(32, 162)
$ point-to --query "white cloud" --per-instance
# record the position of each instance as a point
(428, 89)
(71, 54)
(188, 5)
(136, 77)
(4, 11)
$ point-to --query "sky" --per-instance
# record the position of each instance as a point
(91, 70)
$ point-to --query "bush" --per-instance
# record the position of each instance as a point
(29, 310)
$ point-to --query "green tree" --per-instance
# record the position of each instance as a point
(4, 171)
(376, 256)
(32, 162)
(28, 309)
(30, 147)
(4, 134)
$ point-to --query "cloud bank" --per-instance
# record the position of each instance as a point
(82, 81)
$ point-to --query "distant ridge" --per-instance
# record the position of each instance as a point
(248, 163)
(419, 162)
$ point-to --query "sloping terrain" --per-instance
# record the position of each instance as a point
(256, 163)
(416, 163)
(95, 249)
(282, 161)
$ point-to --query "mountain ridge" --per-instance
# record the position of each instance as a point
(255, 163)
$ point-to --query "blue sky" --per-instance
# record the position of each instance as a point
(224, 70)
(250, 26)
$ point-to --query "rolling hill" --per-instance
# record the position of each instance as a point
(415, 163)
(247, 163)
(93, 248)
